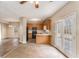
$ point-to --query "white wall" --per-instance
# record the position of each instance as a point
(3, 30)
(12, 30)
(9, 32)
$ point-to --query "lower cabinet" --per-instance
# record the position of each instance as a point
(29, 35)
(43, 39)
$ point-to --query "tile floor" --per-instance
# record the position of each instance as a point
(31, 50)
(7, 45)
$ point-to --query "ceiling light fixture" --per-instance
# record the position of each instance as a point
(36, 4)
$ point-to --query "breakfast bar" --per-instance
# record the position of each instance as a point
(43, 38)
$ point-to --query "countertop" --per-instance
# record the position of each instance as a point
(44, 34)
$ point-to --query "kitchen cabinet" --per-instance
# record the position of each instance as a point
(30, 35)
(38, 25)
(47, 23)
(43, 38)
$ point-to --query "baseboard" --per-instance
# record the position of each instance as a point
(60, 51)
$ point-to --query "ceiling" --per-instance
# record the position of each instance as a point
(12, 10)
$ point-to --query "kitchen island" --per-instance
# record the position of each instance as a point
(43, 38)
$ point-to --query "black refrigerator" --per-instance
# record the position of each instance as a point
(34, 32)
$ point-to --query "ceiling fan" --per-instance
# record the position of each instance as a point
(36, 3)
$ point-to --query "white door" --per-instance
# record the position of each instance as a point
(70, 36)
(58, 34)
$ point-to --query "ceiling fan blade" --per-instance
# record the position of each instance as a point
(22, 2)
(50, 1)
(36, 5)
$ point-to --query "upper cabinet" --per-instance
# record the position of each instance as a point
(47, 23)
(39, 26)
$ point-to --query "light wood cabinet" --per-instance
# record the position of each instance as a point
(47, 23)
(43, 39)
(39, 26)
(30, 35)
(29, 25)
